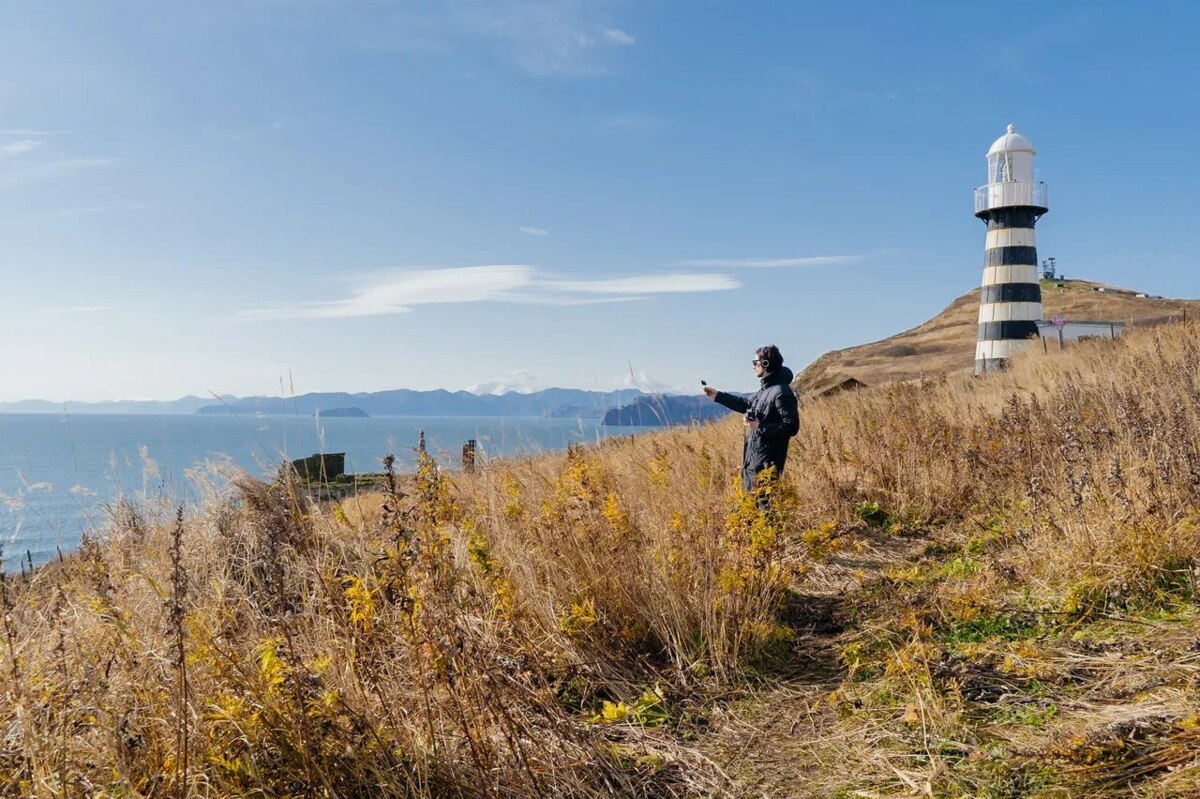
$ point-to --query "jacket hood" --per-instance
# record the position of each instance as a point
(781, 376)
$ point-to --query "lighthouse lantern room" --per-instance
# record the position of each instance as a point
(1010, 304)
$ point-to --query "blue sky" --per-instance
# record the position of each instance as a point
(335, 195)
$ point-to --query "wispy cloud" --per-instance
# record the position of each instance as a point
(82, 210)
(400, 290)
(541, 295)
(647, 284)
(543, 37)
(397, 291)
(640, 379)
(34, 171)
(30, 132)
(85, 309)
(773, 263)
(19, 147)
(520, 381)
(534, 231)
(95, 308)
(22, 160)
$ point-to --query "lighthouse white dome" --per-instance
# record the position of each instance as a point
(1012, 142)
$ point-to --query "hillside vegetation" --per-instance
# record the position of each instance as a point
(975, 588)
(946, 343)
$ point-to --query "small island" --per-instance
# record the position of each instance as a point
(344, 413)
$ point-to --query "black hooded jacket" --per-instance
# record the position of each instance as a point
(775, 407)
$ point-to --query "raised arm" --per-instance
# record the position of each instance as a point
(731, 401)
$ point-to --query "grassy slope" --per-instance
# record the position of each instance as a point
(1044, 641)
(946, 343)
(971, 588)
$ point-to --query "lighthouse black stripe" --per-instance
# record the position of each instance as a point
(1011, 292)
(1016, 216)
(996, 331)
(1008, 256)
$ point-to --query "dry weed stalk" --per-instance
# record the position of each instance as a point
(559, 625)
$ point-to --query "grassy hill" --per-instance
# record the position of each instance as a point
(946, 343)
(962, 588)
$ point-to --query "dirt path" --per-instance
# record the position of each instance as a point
(765, 741)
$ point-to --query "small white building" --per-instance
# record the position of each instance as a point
(1060, 331)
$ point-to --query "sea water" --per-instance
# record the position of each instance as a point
(60, 473)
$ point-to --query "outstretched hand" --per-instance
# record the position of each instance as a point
(710, 392)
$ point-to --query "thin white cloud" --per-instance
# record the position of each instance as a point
(45, 170)
(26, 132)
(95, 308)
(639, 379)
(618, 36)
(19, 147)
(647, 284)
(773, 263)
(543, 37)
(83, 210)
(520, 381)
(86, 309)
(567, 300)
(399, 291)
(534, 231)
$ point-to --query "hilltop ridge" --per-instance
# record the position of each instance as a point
(945, 343)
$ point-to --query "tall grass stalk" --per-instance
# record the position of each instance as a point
(563, 625)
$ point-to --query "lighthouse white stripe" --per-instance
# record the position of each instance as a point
(1010, 237)
(1010, 312)
(1000, 349)
(1021, 273)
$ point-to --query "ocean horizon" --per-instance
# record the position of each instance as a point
(60, 473)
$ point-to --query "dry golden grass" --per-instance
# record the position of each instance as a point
(963, 588)
(533, 631)
(946, 343)
(1043, 640)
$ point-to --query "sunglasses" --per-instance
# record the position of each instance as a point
(760, 362)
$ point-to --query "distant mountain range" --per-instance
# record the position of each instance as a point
(405, 402)
(553, 402)
(655, 410)
(188, 404)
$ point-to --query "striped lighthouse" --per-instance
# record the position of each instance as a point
(1011, 203)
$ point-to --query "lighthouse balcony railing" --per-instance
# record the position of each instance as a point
(1011, 193)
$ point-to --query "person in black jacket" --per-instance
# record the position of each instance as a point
(771, 415)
